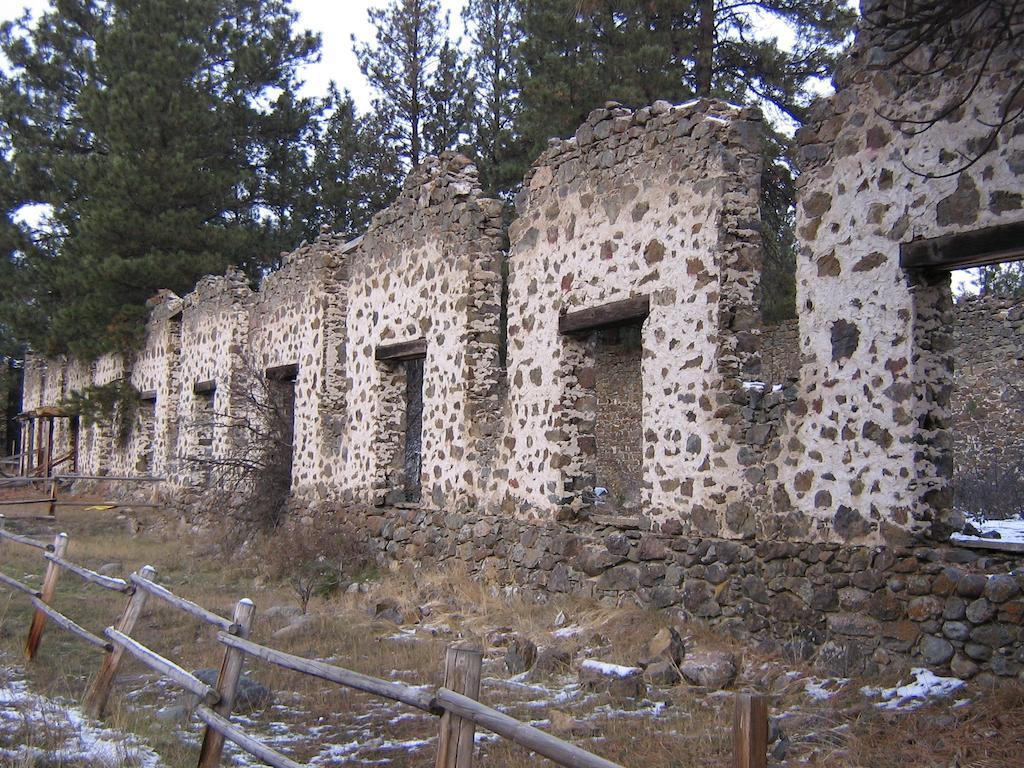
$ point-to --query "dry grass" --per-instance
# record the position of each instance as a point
(679, 727)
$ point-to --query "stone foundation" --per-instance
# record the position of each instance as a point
(853, 609)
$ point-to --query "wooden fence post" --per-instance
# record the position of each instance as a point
(455, 738)
(99, 692)
(35, 631)
(750, 731)
(53, 497)
(227, 685)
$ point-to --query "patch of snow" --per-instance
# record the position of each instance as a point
(404, 635)
(821, 690)
(1009, 530)
(612, 670)
(70, 736)
(568, 632)
(758, 386)
(926, 685)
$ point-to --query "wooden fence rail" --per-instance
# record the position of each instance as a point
(455, 702)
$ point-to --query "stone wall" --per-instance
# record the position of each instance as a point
(292, 321)
(214, 326)
(661, 202)
(793, 485)
(428, 268)
(868, 435)
(851, 609)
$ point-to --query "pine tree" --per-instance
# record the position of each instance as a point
(578, 55)
(148, 128)
(496, 35)
(415, 71)
(355, 171)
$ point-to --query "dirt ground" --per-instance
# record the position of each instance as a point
(861, 722)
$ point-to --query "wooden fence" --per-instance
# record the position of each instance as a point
(455, 703)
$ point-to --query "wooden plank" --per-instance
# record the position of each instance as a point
(35, 630)
(243, 740)
(227, 686)
(977, 248)
(147, 395)
(15, 502)
(118, 478)
(993, 544)
(99, 692)
(533, 739)
(15, 584)
(750, 731)
(288, 372)
(107, 582)
(181, 603)
(204, 387)
(406, 694)
(455, 742)
(402, 350)
(165, 667)
(67, 624)
(605, 316)
(25, 540)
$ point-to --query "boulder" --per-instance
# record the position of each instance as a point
(287, 612)
(662, 673)
(299, 626)
(387, 609)
(621, 683)
(251, 696)
(520, 655)
(666, 645)
(713, 670)
(552, 660)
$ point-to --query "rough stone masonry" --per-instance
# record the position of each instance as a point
(793, 486)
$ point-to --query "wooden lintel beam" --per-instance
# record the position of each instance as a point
(605, 316)
(288, 372)
(204, 387)
(977, 248)
(148, 394)
(403, 350)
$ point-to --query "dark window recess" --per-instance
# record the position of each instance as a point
(618, 427)
(275, 483)
(413, 427)
(147, 422)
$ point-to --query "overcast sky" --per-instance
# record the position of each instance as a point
(335, 20)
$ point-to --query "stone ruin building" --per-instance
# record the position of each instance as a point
(587, 399)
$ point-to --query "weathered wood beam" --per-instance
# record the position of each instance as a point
(403, 350)
(107, 582)
(605, 316)
(204, 387)
(181, 603)
(414, 697)
(977, 248)
(288, 372)
(147, 395)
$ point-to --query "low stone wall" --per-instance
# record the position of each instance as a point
(853, 609)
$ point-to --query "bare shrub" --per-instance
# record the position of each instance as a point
(314, 557)
(249, 483)
(994, 491)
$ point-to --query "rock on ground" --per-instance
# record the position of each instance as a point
(713, 670)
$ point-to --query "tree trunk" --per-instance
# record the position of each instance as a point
(705, 46)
